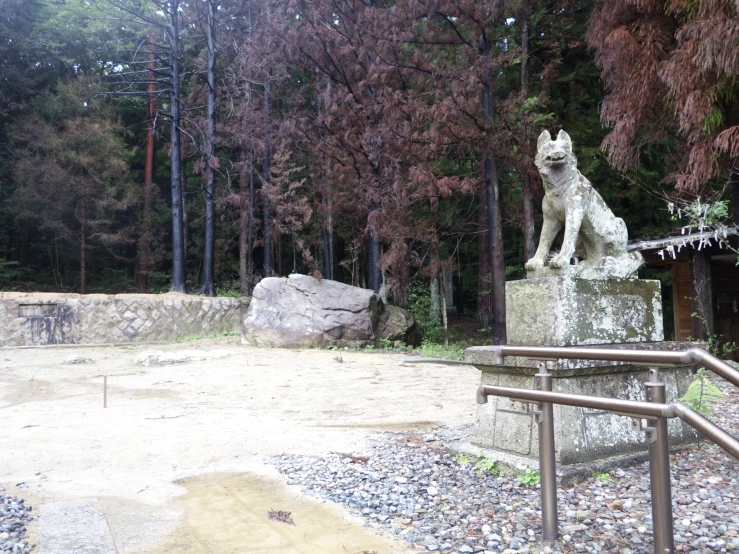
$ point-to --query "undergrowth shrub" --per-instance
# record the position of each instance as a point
(419, 304)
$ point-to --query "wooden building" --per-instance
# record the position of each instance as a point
(704, 282)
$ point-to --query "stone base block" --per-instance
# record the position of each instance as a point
(513, 465)
(582, 435)
(564, 311)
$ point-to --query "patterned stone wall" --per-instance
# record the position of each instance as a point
(39, 319)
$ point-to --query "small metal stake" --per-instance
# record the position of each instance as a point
(659, 471)
(544, 416)
(105, 391)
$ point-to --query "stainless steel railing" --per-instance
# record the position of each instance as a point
(649, 358)
(650, 417)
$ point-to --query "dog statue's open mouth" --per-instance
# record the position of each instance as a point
(555, 159)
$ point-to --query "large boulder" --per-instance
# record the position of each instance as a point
(397, 324)
(300, 310)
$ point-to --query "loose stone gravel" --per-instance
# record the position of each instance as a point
(410, 486)
(14, 517)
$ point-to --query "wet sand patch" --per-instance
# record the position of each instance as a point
(229, 514)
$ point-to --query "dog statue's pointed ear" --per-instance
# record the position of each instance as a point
(564, 137)
(544, 137)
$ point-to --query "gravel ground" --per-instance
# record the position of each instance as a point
(411, 487)
(14, 517)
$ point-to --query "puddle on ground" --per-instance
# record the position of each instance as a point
(23, 392)
(228, 514)
(387, 425)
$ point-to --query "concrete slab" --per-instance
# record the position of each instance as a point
(77, 526)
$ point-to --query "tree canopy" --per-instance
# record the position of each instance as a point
(206, 144)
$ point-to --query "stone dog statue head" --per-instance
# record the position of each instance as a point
(554, 158)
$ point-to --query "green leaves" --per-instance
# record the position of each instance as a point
(702, 394)
(705, 214)
(531, 478)
(489, 465)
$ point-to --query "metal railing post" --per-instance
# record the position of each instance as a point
(659, 470)
(547, 466)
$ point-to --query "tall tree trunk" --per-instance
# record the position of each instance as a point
(267, 216)
(209, 248)
(529, 239)
(484, 281)
(492, 199)
(701, 298)
(375, 273)
(295, 250)
(442, 289)
(250, 234)
(529, 233)
(439, 272)
(435, 308)
(245, 230)
(735, 193)
(23, 247)
(373, 261)
(328, 224)
(83, 246)
(525, 58)
(145, 260)
(328, 249)
(495, 241)
(185, 219)
(278, 254)
(175, 154)
(444, 316)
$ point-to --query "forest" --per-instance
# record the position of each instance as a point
(201, 145)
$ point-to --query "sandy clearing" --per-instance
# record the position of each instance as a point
(211, 423)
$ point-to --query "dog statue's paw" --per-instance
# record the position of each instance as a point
(533, 264)
(558, 262)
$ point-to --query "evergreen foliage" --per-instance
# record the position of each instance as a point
(351, 140)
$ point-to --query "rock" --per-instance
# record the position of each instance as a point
(398, 324)
(157, 357)
(14, 519)
(303, 311)
(73, 360)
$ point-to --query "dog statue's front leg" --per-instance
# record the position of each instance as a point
(573, 220)
(549, 231)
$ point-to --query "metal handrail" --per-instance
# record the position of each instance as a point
(638, 357)
(628, 408)
(655, 410)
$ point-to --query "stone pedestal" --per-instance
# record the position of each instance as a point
(569, 311)
(564, 311)
(582, 435)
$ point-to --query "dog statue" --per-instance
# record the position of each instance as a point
(590, 229)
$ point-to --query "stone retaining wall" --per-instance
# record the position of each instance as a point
(28, 319)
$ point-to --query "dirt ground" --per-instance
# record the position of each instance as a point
(176, 462)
